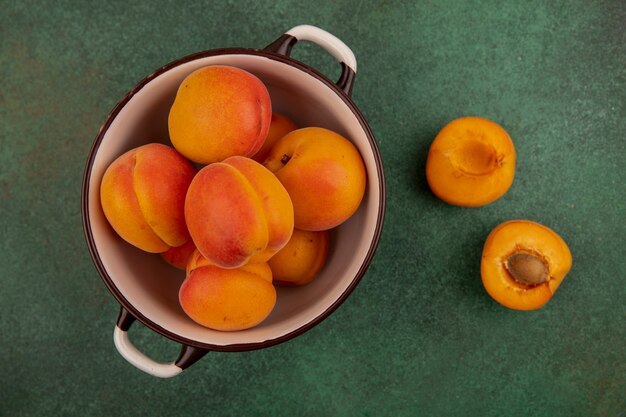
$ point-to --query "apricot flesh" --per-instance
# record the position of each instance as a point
(238, 212)
(323, 173)
(471, 162)
(523, 263)
(301, 259)
(143, 193)
(227, 299)
(219, 111)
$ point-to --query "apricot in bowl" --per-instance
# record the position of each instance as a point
(324, 174)
(219, 111)
(280, 125)
(143, 194)
(301, 259)
(238, 212)
(227, 299)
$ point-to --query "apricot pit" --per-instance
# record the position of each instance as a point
(526, 269)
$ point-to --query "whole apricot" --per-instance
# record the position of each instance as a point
(227, 299)
(323, 173)
(219, 111)
(471, 162)
(179, 256)
(279, 127)
(143, 197)
(523, 263)
(238, 212)
(301, 259)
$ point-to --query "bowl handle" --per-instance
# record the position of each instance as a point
(326, 40)
(188, 354)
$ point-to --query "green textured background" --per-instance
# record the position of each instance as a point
(419, 335)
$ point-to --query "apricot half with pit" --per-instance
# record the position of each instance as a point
(523, 263)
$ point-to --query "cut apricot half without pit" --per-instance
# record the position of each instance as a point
(523, 264)
(471, 162)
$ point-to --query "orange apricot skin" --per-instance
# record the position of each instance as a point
(227, 299)
(279, 127)
(523, 236)
(238, 212)
(323, 173)
(262, 269)
(301, 259)
(179, 256)
(471, 162)
(143, 193)
(219, 111)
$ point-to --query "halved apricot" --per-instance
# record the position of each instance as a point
(471, 162)
(523, 264)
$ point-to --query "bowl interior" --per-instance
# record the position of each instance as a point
(151, 285)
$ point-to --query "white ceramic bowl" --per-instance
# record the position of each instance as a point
(147, 288)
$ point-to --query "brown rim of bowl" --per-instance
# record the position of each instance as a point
(237, 347)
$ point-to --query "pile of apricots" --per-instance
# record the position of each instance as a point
(471, 163)
(242, 200)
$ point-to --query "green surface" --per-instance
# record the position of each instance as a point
(419, 335)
